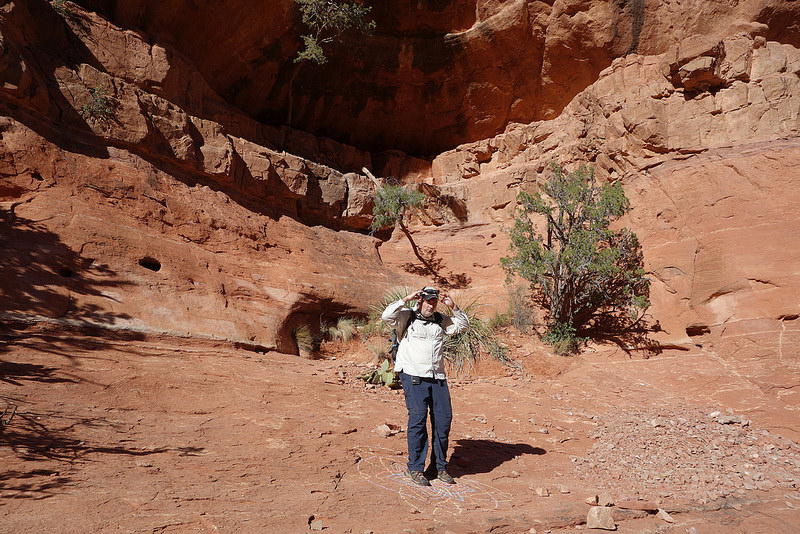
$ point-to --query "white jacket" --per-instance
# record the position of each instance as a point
(420, 352)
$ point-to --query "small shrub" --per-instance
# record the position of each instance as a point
(99, 104)
(499, 319)
(61, 7)
(520, 312)
(563, 338)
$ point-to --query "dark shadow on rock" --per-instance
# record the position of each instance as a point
(15, 373)
(445, 202)
(69, 127)
(631, 337)
(433, 266)
(36, 484)
(52, 437)
(40, 278)
(473, 456)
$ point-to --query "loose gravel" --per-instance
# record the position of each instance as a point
(686, 454)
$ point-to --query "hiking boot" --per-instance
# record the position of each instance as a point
(445, 477)
(417, 477)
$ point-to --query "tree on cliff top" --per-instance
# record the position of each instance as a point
(391, 203)
(586, 275)
(327, 20)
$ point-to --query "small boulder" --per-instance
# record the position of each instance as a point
(600, 517)
(604, 499)
(385, 430)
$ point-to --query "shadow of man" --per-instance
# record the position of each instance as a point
(473, 456)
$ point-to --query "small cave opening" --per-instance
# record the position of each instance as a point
(697, 330)
(311, 324)
(150, 263)
(66, 272)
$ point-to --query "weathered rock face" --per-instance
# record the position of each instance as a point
(704, 138)
(143, 215)
(117, 243)
(436, 73)
(173, 212)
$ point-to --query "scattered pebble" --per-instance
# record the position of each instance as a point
(682, 452)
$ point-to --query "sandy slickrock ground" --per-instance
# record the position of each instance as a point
(170, 435)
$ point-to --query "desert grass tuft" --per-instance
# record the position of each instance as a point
(345, 329)
(462, 350)
(304, 338)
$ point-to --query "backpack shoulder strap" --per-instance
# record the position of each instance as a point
(401, 335)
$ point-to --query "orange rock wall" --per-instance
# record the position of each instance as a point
(248, 238)
(437, 73)
(705, 139)
(258, 229)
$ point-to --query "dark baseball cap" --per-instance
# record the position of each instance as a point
(429, 293)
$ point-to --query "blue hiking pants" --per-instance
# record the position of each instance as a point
(430, 395)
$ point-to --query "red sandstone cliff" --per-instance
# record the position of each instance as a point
(436, 73)
(182, 213)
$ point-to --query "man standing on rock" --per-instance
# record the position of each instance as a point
(420, 362)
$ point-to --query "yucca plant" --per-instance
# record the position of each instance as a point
(394, 294)
(463, 349)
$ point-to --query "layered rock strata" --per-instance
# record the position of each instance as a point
(173, 212)
(127, 205)
(704, 138)
(435, 73)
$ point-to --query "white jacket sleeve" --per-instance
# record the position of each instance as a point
(395, 312)
(456, 324)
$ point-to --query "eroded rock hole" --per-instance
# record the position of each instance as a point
(697, 330)
(150, 263)
(66, 272)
